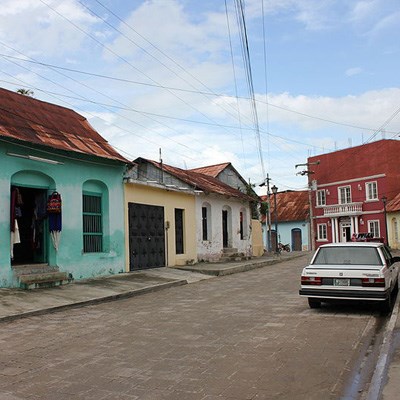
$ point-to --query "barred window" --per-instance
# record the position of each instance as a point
(92, 224)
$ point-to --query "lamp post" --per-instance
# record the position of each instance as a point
(275, 191)
(384, 201)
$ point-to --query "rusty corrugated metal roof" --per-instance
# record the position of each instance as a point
(206, 183)
(26, 119)
(211, 170)
(290, 205)
(394, 204)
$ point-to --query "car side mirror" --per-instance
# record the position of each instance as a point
(395, 259)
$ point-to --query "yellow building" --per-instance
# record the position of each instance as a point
(160, 225)
(393, 222)
(178, 217)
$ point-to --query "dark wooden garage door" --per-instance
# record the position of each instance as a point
(146, 236)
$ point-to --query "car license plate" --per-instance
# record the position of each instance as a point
(342, 282)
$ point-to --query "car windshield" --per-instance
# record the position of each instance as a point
(348, 256)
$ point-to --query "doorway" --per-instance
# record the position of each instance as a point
(225, 236)
(345, 231)
(296, 239)
(28, 215)
(146, 236)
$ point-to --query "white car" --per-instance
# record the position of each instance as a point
(351, 271)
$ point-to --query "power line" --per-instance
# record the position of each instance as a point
(221, 95)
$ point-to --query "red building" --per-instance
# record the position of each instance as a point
(350, 189)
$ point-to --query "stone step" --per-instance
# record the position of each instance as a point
(229, 250)
(35, 276)
(27, 269)
(43, 280)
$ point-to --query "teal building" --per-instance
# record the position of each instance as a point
(61, 195)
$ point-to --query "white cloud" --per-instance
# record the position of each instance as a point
(353, 71)
(33, 27)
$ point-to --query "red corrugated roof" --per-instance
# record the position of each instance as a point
(394, 204)
(211, 170)
(291, 206)
(30, 120)
(202, 182)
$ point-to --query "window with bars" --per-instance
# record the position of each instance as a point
(92, 224)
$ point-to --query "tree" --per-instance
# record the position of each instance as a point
(25, 92)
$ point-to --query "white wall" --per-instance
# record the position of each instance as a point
(211, 249)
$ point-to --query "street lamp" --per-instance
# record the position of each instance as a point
(275, 191)
(384, 201)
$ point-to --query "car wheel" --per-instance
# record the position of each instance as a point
(313, 303)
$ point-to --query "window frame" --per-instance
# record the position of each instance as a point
(374, 185)
(87, 249)
(347, 195)
(376, 227)
(322, 232)
(321, 195)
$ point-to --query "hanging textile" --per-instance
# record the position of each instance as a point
(55, 218)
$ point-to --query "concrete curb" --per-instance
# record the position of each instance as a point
(83, 303)
(238, 268)
(377, 382)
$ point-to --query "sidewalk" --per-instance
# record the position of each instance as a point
(18, 303)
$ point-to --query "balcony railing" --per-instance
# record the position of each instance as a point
(339, 210)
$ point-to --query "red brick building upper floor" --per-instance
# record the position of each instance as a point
(349, 190)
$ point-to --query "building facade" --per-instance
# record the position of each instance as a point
(60, 183)
(350, 189)
(292, 220)
(213, 218)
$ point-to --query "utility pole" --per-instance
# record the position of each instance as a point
(266, 182)
(310, 189)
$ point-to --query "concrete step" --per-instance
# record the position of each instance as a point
(27, 269)
(229, 250)
(35, 276)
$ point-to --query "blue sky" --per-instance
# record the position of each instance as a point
(161, 74)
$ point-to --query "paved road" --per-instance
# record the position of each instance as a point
(243, 336)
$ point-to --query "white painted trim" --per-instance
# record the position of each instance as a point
(351, 180)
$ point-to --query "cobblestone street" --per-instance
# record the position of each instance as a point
(242, 336)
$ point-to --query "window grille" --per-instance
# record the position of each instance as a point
(92, 224)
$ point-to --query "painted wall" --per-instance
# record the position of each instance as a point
(230, 177)
(169, 199)
(285, 233)
(68, 178)
(393, 226)
(257, 238)
(211, 249)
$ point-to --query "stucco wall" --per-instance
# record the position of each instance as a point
(169, 199)
(257, 238)
(211, 250)
(285, 233)
(393, 225)
(68, 178)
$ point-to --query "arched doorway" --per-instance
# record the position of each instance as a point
(28, 217)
